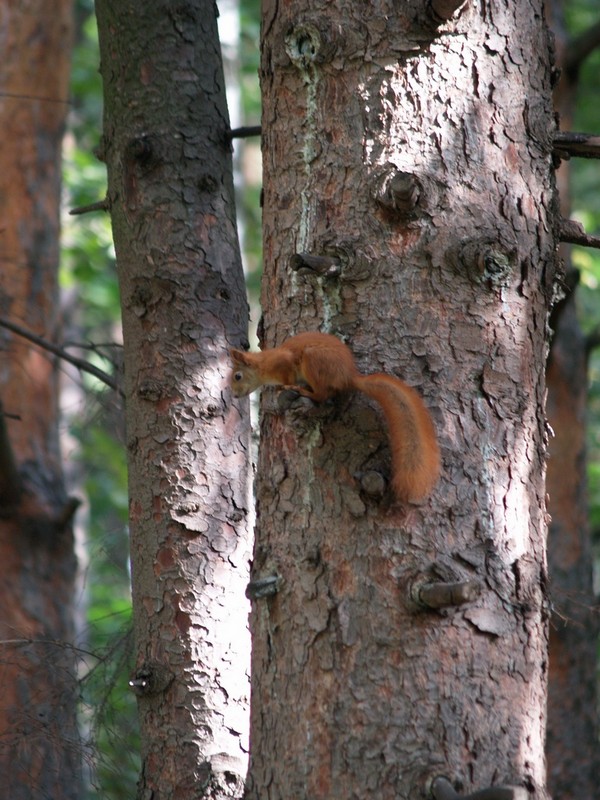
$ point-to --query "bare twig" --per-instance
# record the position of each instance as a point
(442, 595)
(583, 145)
(323, 265)
(109, 351)
(244, 132)
(84, 366)
(572, 232)
(37, 98)
(99, 205)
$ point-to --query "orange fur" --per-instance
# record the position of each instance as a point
(319, 366)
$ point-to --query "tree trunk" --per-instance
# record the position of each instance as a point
(412, 157)
(40, 754)
(183, 303)
(572, 745)
(572, 708)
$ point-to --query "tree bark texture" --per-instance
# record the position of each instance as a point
(40, 753)
(183, 304)
(412, 156)
(572, 742)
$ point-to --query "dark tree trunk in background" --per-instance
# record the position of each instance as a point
(40, 753)
(418, 154)
(572, 744)
(183, 304)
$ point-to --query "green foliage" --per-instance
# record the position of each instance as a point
(92, 314)
(249, 60)
(88, 277)
(585, 176)
(108, 706)
(87, 263)
(250, 190)
(86, 83)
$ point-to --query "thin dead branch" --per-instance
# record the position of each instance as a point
(582, 145)
(572, 232)
(82, 365)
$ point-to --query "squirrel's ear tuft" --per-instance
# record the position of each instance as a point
(237, 356)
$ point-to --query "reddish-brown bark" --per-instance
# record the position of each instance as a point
(183, 302)
(40, 755)
(420, 157)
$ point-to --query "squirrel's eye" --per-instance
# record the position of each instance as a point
(237, 376)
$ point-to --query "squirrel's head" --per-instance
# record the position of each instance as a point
(244, 377)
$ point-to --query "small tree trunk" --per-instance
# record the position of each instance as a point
(572, 709)
(183, 304)
(572, 744)
(40, 754)
(412, 157)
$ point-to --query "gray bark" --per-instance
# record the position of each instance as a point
(183, 303)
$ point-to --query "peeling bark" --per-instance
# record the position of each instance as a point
(417, 154)
(167, 148)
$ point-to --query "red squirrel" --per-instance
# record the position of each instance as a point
(320, 366)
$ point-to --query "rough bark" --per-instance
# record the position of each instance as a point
(417, 155)
(40, 754)
(183, 303)
(572, 743)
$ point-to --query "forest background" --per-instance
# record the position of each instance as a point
(92, 420)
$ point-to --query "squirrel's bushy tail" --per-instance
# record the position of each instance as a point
(413, 443)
